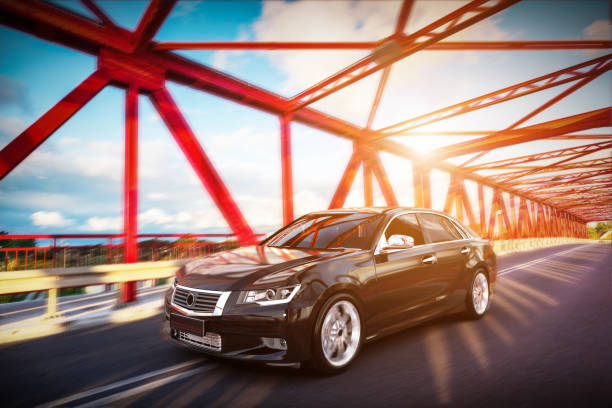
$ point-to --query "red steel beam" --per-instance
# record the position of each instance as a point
(24, 144)
(61, 26)
(587, 69)
(482, 226)
(524, 226)
(370, 45)
(588, 120)
(470, 133)
(601, 189)
(594, 163)
(421, 185)
(65, 28)
(556, 166)
(498, 204)
(346, 181)
(569, 151)
(545, 192)
(151, 21)
(584, 81)
(98, 12)
(130, 190)
(368, 196)
(286, 169)
(383, 181)
(571, 176)
(539, 184)
(400, 25)
(198, 159)
(396, 49)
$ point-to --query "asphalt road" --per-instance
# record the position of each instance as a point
(546, 341)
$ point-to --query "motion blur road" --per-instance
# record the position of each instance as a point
(546, 341)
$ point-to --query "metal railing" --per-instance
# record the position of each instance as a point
(60, 255)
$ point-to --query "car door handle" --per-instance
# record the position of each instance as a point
(431, 259)
(465, 250)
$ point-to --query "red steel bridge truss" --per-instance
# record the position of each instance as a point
(549, 204)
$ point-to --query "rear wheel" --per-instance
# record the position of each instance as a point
(338, 333)
(478, 296)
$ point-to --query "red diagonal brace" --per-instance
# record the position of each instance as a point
(588, 69)
(588, 120)
(394, 50)
(24, 144)
(346, 181)
(154, 16)
(193, 151)
(383, 180)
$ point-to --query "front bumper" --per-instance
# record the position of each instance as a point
(272, 334)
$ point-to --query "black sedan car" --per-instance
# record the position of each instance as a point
(322, 286)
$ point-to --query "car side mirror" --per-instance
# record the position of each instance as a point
(398, 241)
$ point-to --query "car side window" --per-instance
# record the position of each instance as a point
(406, 224)
(438, 229)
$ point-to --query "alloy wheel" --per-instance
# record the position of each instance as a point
(340, 333)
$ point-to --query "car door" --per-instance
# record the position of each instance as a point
(402, 275)
(451, 251)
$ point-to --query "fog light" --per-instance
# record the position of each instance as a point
(274, 343)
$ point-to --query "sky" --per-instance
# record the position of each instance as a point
(73, 182)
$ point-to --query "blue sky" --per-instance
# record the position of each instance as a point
(72, 183)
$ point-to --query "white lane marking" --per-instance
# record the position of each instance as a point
(102, 402)
(536, 261)
(118, 384)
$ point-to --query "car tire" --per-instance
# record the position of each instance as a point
(478, 298)
(338, 334)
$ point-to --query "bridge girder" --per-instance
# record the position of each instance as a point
(132, 60)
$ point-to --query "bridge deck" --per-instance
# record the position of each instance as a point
(547, 340)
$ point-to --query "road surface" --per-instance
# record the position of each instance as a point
(547, 341)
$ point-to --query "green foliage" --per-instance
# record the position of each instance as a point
(16, 243)
(185, 240)
(71, 291)
(596, 231)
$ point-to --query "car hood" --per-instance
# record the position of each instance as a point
(249, 267)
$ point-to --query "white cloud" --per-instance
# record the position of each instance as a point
(155, 216)
(223, 58)
(157, 196)
(68, 141)
(49, 219)
(102, 224)
(185, 8)
(10, 127)
(361, 21)
(598, 30)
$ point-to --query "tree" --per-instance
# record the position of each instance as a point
(603, 227)
(16, 243)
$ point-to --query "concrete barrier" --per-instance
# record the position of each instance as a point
(502, 247)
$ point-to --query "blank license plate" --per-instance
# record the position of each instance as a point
(188, 324)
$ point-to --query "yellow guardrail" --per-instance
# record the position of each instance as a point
(57, 278)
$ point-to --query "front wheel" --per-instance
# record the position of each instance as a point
(337, 335)
(478, 297)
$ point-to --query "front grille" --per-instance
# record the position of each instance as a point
(211, 341)
(204, 302)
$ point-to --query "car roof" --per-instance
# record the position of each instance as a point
(372, 210)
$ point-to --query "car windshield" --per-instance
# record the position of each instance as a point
(328, 231)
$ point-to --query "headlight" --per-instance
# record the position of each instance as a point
(270, 296)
